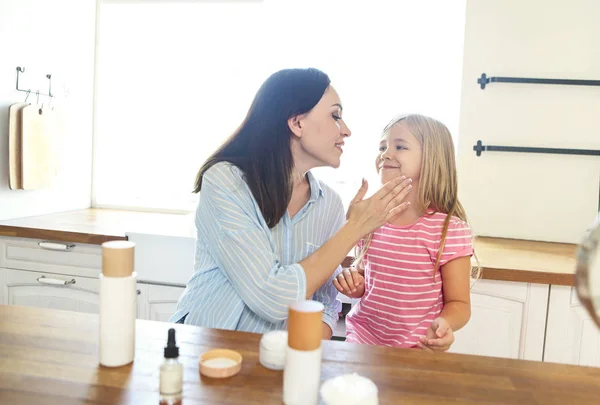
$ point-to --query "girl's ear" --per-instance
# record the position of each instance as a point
(295, 124)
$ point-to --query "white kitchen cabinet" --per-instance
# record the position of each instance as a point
(62, 258)
(157, 302)
(47, 290)
(34, 275)
(2, 285)
(572, 337)
(507, 320)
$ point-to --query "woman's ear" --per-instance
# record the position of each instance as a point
(295, 124)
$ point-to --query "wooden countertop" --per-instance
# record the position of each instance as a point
(527, 261)
(50, 357)
(500, 259)
(97, 226)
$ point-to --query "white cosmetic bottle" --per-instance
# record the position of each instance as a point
(117, 304)
(302, 371)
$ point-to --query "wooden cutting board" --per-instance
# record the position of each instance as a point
(14, 145)
(38, 147)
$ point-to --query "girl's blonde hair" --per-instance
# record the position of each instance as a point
(438, 185)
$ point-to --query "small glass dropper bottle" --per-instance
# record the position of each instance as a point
(171, 373)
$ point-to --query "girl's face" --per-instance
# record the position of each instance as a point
(321, 132)
(400, 153)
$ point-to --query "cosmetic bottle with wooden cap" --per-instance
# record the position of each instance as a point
(302, 371)
(117, 304)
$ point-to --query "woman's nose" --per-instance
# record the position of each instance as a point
(345, 130)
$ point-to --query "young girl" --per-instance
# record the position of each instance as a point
(413, 274)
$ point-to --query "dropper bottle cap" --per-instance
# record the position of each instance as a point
(171, 349)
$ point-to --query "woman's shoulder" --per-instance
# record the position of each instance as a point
(225, 175)
(223, 169)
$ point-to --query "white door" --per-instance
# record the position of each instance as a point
(158, 302)
(36, 289)
(572, 336)
(507, 320)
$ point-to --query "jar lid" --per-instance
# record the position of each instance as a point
(220, 363)
(273, 346)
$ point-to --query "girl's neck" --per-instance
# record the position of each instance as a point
(413, 212)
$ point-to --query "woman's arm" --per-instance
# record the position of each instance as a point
(239, 241)
(364, 216)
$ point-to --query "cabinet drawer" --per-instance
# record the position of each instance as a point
(27, 254)
(46, 290)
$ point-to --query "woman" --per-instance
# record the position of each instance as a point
(268, 232)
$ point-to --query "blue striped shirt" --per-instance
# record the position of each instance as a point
(246, 275)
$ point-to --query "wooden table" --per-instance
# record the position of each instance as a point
(50, 357)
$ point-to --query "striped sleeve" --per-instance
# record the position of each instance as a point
(242, 249)
(459, 241)
(327, 294)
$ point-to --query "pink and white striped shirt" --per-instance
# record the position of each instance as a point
(403, 293)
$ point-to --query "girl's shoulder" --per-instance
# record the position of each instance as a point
(435, 220)
(430, 227)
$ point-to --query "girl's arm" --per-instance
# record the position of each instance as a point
(456, 284)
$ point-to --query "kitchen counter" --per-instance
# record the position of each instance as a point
(500, 259)
(50, 357)
(96, 226)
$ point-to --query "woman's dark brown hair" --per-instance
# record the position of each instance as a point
(261, 146)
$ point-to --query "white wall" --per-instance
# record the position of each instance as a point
(530, 196)
(55, 37)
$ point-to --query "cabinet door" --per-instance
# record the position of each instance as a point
(2, 285)
(158, 302)
(36, 289)
(507, 320)
(572, 336)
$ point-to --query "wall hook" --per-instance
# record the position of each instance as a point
(48, 76)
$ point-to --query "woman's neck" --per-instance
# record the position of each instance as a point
(302, 164)
(300, 170)
(300, 192)
(299, 178)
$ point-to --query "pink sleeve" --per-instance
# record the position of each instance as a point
(459, 241)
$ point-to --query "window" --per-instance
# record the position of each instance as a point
(175, 79)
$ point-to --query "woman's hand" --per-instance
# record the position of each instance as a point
(372, 213)
(350, 283)
(439, 337)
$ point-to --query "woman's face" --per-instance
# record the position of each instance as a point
(320, 133)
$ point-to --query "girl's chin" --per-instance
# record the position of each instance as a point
(387, 175)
